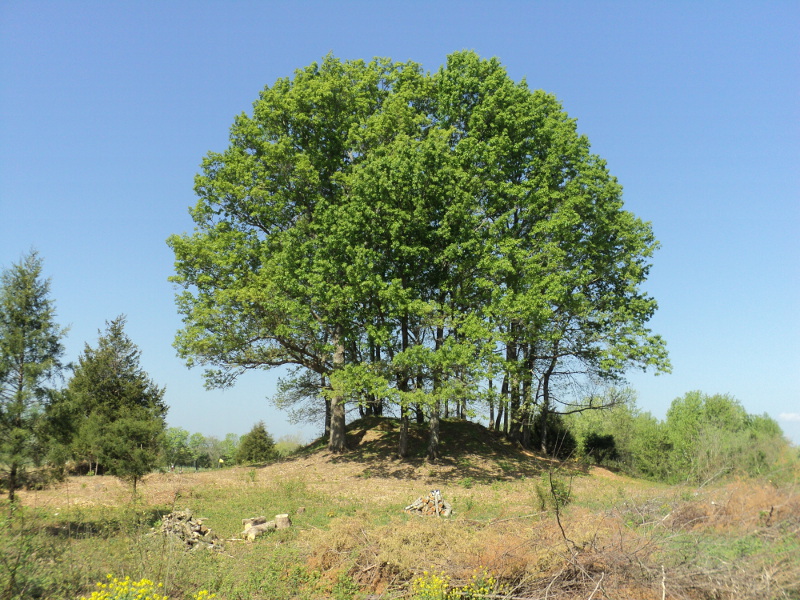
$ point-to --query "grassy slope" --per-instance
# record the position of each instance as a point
(351, 538)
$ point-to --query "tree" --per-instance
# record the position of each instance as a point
(176, 446)
(199, 450)
(257, 446)
(273, 274)
(118, 410)
(30, 356)
(400, 238)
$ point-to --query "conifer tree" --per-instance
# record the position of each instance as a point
(30, 356)
(256, 446)
(118, 410)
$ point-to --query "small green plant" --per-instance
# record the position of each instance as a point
(552, 492)
(467, 482)
(345, 588)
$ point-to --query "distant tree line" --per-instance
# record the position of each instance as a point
(703, 438)
(198, 451)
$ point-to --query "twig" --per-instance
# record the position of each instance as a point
(597, 587)
(552, 581)
(558, 511)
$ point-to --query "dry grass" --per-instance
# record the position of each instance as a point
(620, 538)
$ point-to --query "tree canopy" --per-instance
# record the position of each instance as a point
(419, 241)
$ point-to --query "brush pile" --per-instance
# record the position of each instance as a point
(432, 505)
(182, 525)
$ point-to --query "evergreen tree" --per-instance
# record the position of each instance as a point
(118, 410)
(30, 355)
(257, 446)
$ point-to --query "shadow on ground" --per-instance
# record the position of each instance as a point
(468, 451)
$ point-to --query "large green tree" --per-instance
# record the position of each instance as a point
(406, 238)
(30, 356)
(117, 409)
(274, 273)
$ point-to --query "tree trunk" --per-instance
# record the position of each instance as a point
(527, 401)
(12, 480)
(327, 410)
(402, 386)
(337, 442)
(420, 414)
(500, 424)
(512, 410)
(491, 406)
(402, 442)
(433, 432)
(433, 425)
(546, 399)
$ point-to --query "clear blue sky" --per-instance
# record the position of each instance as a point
(107, 108)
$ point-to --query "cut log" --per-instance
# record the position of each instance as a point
(282, 521)
(255, 531)
(246, 523)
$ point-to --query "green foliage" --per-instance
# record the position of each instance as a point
(399, 236)
(257, 446)
(176, 447)
(288, 444)
(702, 438)
(30, 356)
(117, 411)
(552, 491)
(548, 429)
(711, 436)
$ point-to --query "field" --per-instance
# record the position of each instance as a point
(523, 527)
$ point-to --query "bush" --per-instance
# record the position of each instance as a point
(560, 442)
(601, 448)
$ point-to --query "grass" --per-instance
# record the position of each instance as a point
(589, 533)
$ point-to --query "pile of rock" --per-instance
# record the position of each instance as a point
(256, 526)
(432, 505)
(183, 526)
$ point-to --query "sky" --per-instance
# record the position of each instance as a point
(107, 109)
